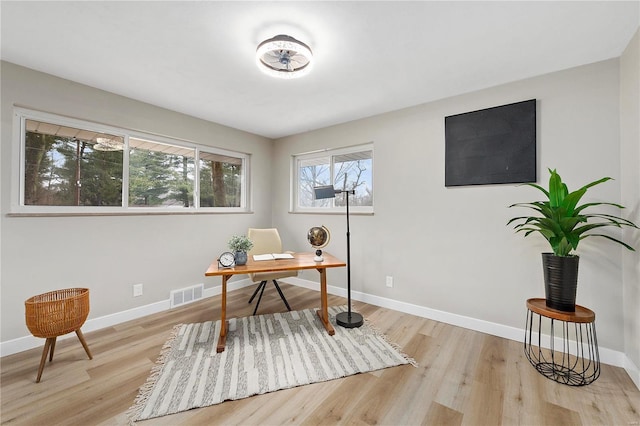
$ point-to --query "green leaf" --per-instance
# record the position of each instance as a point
(584, 206)
(596, 182)
(612, 219)
(627, 246)
(544, 191)
(555, 189)
(558, 219)
(563, 248)
(568, 223)
(572, 200)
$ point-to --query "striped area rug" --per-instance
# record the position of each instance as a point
(264, 353)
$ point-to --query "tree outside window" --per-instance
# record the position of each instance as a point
(220, 180)
(67, 166)
(160, 175)
(64, 168)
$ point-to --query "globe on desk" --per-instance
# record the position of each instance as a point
(318, 237)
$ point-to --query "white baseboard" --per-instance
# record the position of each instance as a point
(607, 356)
(29, 342)
(420, 311)
(632, 370)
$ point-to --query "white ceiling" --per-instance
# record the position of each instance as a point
(371, 57)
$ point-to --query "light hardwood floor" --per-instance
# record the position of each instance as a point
(463, 378)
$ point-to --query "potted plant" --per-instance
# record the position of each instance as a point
(564, 223)
(240, 245)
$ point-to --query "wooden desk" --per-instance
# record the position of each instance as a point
(299, 262)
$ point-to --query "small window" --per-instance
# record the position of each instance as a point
(346, 169)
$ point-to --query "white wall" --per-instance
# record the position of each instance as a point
(630, 151)
(109, 254)
(448, 248)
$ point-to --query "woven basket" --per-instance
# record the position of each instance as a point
(57, 312)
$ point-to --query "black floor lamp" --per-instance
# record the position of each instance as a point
(345, 319)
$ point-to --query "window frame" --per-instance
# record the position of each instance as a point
(331, 153)
(18, 207)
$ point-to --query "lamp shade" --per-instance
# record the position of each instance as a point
(325, 191)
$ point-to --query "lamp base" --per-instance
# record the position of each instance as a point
(349, 321)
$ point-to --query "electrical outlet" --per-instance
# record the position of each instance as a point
(137, 290)
(389, 281)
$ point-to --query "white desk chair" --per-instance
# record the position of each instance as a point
(267, 241)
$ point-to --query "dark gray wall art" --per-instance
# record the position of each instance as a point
(490, 146)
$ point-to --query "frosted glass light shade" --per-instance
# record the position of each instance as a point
(284, 57)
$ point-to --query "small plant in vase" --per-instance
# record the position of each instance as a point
(240, 245)
(564, 223)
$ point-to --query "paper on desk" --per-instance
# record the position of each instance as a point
(272, 256)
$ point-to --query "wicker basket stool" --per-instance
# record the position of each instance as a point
(54, 314)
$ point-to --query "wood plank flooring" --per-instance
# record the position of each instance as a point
(464, 378)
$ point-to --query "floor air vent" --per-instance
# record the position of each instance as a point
(186, 295)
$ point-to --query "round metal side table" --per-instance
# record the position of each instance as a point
(568, 354)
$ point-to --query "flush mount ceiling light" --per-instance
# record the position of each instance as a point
(284, 57)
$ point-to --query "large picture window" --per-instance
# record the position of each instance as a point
(346, 169)
(71, 166)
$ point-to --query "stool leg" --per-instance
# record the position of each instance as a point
(53, 348)
(84, 344)
(45, 352)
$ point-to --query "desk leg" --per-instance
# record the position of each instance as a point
(323, 313)
(222, 341)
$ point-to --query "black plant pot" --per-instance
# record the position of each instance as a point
(560, 281)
